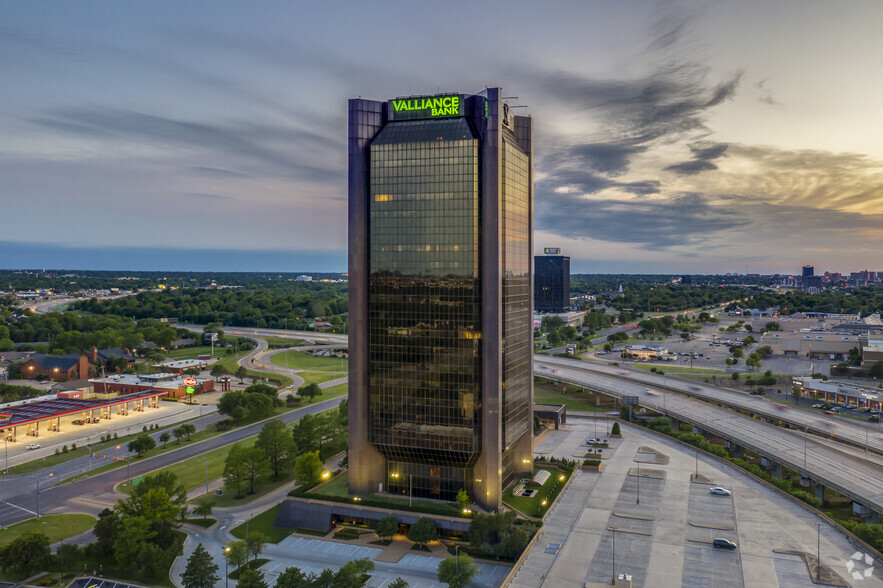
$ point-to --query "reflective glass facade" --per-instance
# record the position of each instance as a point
(440, 257)
(552, 283)
(424, 305)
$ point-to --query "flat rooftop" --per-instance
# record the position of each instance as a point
(161, 381)
(13, 416)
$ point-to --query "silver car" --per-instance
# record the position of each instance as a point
(720, 491)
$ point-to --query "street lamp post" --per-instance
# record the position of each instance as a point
(805, 428)
(818, 551)
(638, 497)
(226, 568)
(613, 567)
(205, 457)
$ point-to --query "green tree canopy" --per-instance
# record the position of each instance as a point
(457, 572)
(201, 570)
(423, 531)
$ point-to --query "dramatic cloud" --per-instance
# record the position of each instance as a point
(687, 219)
(704, 153)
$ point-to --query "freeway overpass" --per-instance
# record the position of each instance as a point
(842, 469)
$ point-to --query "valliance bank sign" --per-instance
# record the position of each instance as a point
(426, 107)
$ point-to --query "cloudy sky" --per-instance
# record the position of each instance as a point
(683, 137)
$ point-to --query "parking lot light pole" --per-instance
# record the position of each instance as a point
(613, 567)
(805, 428)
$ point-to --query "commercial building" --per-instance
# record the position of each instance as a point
(56, 367)
(871, 350)
(551, 281)
(806, 343)
(180, 365)
(648, 352)
(173, 385)
(440, 241)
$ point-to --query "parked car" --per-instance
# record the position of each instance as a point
(78, 422)
(592, 441)
(717, 490)
(33, 446)
(719, 543)
(818, 405)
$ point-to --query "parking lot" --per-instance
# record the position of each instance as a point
(666, 540)
(713, 345)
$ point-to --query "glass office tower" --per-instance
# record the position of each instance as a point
(441, 379)
(551, 282)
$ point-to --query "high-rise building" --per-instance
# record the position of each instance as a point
(440, 309)
(808, 270)
(551, 275)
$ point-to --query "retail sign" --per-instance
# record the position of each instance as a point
(189, 389)
(441, 106)
(552, 250)
(190, 382)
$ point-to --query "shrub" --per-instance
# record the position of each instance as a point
(615, 429)
(115, 436)
(592, 462)
(64, 449)
(73, 446)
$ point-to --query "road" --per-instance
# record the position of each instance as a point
(20, 498)
(857, 433)
(841, 468)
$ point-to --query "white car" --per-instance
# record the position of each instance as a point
(592, 441)
(33, 446)
(720, 491)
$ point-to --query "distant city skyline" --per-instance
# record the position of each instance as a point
(671, 137)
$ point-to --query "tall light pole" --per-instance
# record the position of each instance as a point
(205, 457)
(226, 569)
(6, 439)
(128, 455)
(805, 428)
(613, 568)
(818, 550)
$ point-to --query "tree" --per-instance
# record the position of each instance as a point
(423, 531)
(201, 570)
(234, 469)
(308, 468)
(141, 444)
(218, 370)
(615, 429)
(292, 577)
(462, 498)
(255, 543)
(353, 574)
(254, 464)
(398, 583)
(237, 553)
(179, 434)
(457, 572)
(188, 429)
(241, 373)
(250, 578)
(877, 370)
(387, 527)
(309, 391)
(305, 433)
(204, 506)
(262, 388)
(276, 441)
(26, 554)
(164, 437)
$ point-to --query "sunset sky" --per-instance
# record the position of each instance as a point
(678, 137)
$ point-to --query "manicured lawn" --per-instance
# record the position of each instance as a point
(574, 399)
(320, 377)
(228, 498)
(194, 352)
(56, 527)
(205, 523)
(254, 564)
(192, 473)
(263, 523)
(534, 507)
(282, 342)
(229, 363)
(332, 392)
(305, 361)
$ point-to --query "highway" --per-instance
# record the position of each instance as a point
(857, 433)
(840, 469)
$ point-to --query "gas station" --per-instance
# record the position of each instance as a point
(65, 409)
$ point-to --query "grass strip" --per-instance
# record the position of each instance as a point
(264, 523)
(56, 527)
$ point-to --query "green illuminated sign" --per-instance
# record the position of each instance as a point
(189, 389)
(426, 107)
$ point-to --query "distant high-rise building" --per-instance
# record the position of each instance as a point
(812, 284)
(551, 276)
(441, 341)
(808, 270)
